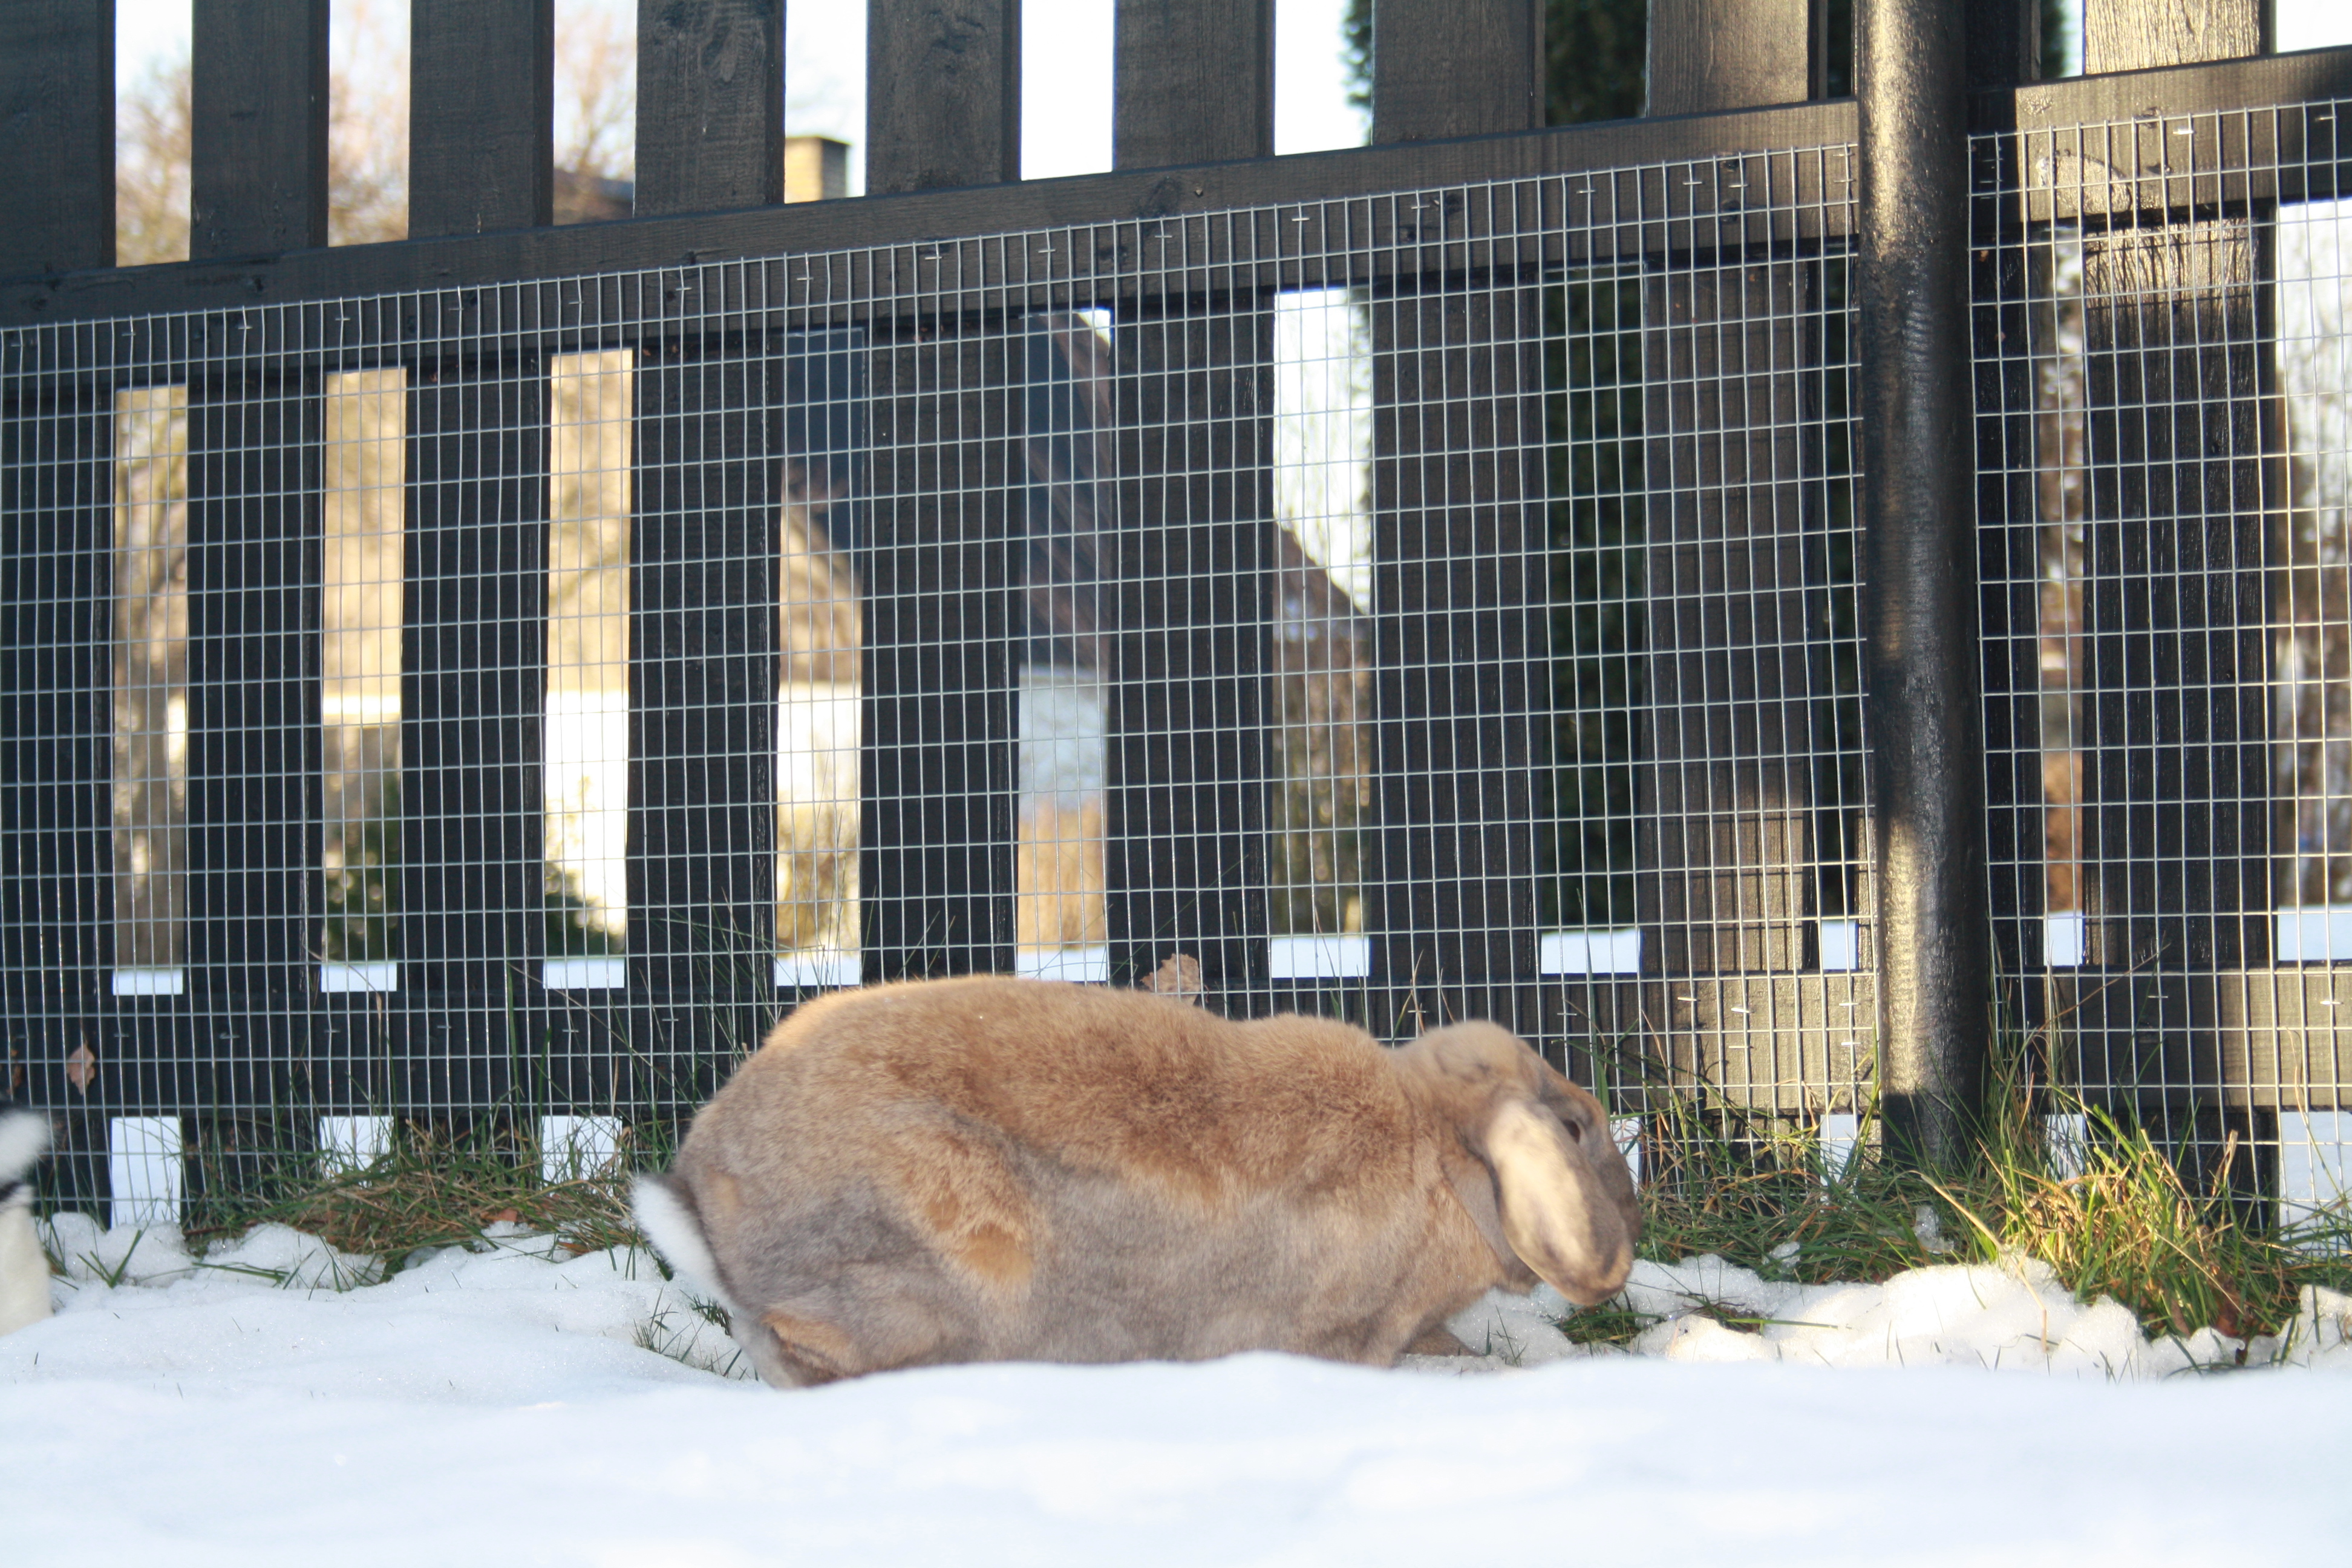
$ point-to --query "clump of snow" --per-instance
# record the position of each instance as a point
(2013, 1317)
(127, 1254)
(2321, 1335)
(1501, 1329)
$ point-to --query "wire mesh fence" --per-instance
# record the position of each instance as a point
(2162, 379)
(498, 706)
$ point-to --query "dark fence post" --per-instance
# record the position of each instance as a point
(937, 582)
(1726, 836)
(257, 127)
(473, 702)
(254, 810)
(481, 115)
(711, 105)
(1191, 550)
(1455, 67)
(2177, 779)
(1194, 82)
(1923, 703)
(57, 891)
(1185, 860)
(702, 703)
(1710, 55)
(1460, 595)
(56, 136)
(2179, 726)
(942, 94)
(1460, 584)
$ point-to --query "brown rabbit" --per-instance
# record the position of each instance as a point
(998, 1169)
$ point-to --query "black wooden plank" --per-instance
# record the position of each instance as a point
(1786, 1045)
(481, 115)
(1641, 207)
(937, 585)
(942, 94)
(2176, 826)
(1193, 556)
(253, 810)
(1193, 82)
(1455, 67)
(55, 739)
(711, 105)
(1733, 720)
(473, 912)
(2177, 780)
(702, 664)
(2134, 35)
(1708, 55)
(2004, 43)
(2284, 1043)
(1726, 841)
(257, 127)
(1460, 618)
(56, 136)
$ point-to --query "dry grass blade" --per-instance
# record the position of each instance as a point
(428, 1191)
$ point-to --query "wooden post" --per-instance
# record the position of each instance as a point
(257, 127)
(942, 94)
(936, 840)
(1734, 716)
(253, 814)
(1460, 595)
(1711, 55)
(1193, 549)
(711, 105)
(2176, 327)
(1194, 82)
(57, 630)
(1193, 558)
(481, 115)
(702, 699)
(56, 136)
(1460, 602)
(473, 698)
(1455, 67)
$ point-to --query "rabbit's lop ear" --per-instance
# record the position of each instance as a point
(1556, 1214)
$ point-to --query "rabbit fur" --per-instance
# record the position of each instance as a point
(24, 1267)
(991, 1169)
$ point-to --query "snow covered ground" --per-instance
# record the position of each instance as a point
(268, 1406)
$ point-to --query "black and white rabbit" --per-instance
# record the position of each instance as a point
(24, 1269)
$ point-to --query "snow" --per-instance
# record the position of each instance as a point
(275, 1401)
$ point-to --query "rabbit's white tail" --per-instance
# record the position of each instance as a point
(24, 1269)
(666, 1215)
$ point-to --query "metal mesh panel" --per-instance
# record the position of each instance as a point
(503, 704)
(2162, 381)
